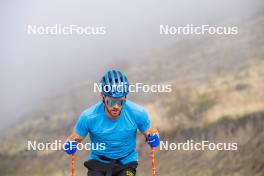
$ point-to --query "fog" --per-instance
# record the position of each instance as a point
(32, 66)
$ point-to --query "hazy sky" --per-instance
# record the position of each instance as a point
(33, 65)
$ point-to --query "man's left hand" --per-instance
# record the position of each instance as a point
(153, 140)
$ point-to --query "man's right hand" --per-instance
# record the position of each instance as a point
(70, 147)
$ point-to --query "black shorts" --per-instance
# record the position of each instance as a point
(97, 168)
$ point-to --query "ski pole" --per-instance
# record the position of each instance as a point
(72, 164)
(152, 156)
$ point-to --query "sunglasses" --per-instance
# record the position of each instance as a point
(110, 102)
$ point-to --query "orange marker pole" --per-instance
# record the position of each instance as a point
(152, 156)
(72, 164)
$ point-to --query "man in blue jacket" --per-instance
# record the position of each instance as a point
(113, 123)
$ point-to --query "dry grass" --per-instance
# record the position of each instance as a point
(239, 94)
(232, 95)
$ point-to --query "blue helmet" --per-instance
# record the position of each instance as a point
(114, 84)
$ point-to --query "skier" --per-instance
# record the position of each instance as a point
(113, 122)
